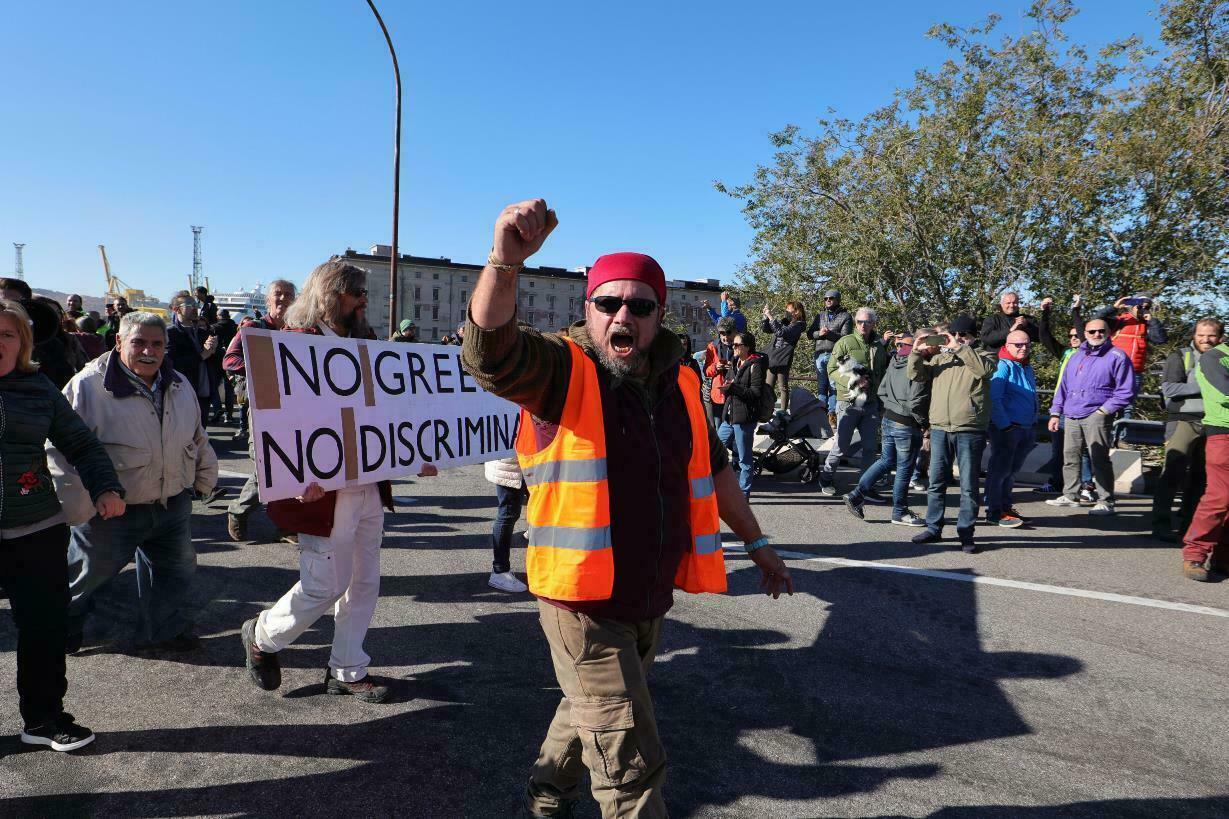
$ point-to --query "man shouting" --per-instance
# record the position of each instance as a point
(626, 481)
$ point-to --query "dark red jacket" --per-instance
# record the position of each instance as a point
(314, 518)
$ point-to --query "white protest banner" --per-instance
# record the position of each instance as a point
(345, 412)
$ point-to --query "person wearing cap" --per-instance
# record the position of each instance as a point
(1096, 382)
(1133, 329)
(626, 482)
(830, 325)
(407, 332)
(959, 377)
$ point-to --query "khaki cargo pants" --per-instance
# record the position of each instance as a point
(605, 720)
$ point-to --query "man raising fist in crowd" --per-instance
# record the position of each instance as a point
(611, 426)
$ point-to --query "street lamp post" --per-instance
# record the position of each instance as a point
(392, 269)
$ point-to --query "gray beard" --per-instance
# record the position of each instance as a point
(621, 369)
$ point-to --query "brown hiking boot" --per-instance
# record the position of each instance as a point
(363, 690)
(237, 528)
(1194, 570)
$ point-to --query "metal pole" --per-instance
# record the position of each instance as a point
(392, 269)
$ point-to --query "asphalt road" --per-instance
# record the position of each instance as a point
(873, 691)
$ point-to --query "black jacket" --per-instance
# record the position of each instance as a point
(995, 328)
(781, 354)
(742, 396)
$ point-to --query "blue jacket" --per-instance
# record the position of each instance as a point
(1013, 395)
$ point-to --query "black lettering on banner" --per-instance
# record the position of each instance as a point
(440, 372)
(467, 380)
(516, 427)
(370, 464)
(269, 445)
(403, 431)
(441, 441)
(328, 371)
(418, 368)
(502, 441)
(422, 450)
(398, 377)
(313, 462)
(473, 426)
(312, 380)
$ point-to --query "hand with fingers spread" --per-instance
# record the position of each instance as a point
(520, 231)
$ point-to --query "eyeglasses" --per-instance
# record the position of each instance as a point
(864, 321)
(358, 293)
(904, 344)
(612, 304)
(1020, 345)
(962, 334)
(1094, 332)
(1072, 337)
(738, 344)
(829, 298)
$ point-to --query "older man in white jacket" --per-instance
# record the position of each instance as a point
(148, 419)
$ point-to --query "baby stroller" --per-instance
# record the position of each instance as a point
(788, 432)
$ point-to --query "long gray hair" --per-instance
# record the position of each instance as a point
(319, 302)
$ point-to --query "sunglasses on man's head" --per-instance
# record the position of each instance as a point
(612, 304)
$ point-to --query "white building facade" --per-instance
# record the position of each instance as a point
(434, 294)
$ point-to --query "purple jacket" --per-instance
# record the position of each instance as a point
(1094, 378)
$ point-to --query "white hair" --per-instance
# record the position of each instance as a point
(868, 313)
(140, 318)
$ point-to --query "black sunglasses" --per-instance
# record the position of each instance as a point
(612, 304)
(1094, 332)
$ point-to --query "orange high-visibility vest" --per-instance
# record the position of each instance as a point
(570, 554)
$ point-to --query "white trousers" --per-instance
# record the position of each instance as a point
(341, 572)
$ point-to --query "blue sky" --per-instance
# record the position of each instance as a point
(270, 124)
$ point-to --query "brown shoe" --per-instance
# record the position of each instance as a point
(363, 690)
(1194, 570)
(287, 537)
(237, 528)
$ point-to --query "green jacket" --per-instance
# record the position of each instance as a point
(959, 387)
(873, 354)
(1213, 377)
(32, 411)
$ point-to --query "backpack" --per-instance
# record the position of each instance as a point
(767, 404)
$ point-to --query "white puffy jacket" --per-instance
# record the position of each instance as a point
(505, 472)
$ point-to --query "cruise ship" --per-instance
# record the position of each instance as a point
(241, 302)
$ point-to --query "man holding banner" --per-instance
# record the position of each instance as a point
(340, 531)
(612, 529)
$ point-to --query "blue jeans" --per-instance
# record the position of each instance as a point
(900, 446)
(506, 516)
(160, 538)
(1008, 449)
(825, 390)
(739, 439)
(965, 450)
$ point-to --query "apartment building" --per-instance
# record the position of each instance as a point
(434, 292)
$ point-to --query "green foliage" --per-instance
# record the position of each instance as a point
(1020, 162)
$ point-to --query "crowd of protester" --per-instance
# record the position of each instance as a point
(109, 413)
(929, 403)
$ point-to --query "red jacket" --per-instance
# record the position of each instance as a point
(711, 360)
(1132, 339)
(316, 518)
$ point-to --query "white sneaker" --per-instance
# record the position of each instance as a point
(909, 519)
(1062, 500)
(1102, 508)
(917, 486)
(506, 582)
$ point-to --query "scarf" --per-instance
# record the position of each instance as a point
(1006, 356)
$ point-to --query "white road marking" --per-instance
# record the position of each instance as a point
(997, 581)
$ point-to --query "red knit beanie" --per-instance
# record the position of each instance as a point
(635, 266)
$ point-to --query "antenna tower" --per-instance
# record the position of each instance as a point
(198, 278)
(19, 270)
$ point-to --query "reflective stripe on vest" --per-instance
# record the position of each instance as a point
(570, 554)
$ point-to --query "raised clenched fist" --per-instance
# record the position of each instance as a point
(521, 229)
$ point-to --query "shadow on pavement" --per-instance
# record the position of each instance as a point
(896, 668)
